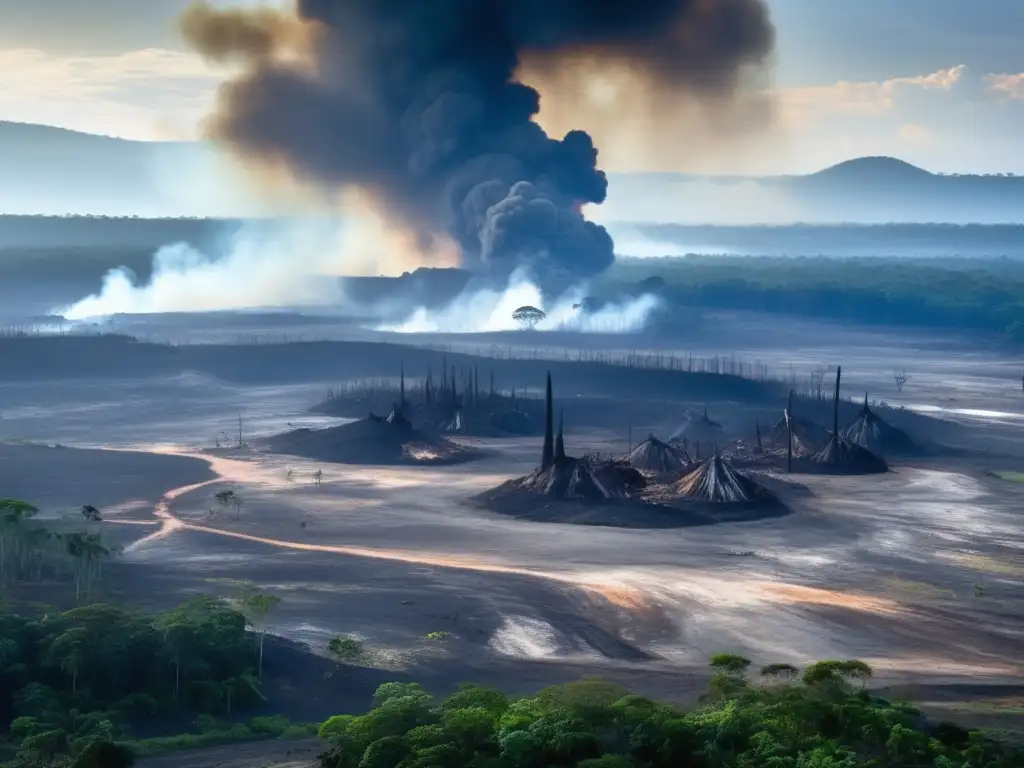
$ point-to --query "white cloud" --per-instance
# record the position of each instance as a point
(951, 119)
(870, 97)
(147, 94)
(1007, 85)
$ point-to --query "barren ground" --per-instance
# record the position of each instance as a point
(919, 572)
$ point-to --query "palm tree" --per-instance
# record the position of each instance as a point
(88, 552)
(13, 513)
(177, 632)
(68, 650)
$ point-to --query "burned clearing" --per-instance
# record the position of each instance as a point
(622, 557)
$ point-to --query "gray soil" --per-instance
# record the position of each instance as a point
(885, 568)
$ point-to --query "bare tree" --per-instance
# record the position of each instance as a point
(257, 607)
(901, 378)
(230, 498)
(318, 477)
(818, 384)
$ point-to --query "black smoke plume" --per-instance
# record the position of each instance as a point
(417, 102)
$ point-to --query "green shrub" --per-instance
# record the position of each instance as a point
(819, 721)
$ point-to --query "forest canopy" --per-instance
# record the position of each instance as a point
(970, 294)
(779, 718)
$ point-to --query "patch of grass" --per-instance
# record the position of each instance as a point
(916, 589)
(1013, 477)
(998, 718)
(257, 729)
(1011, 705)
(1001, 566)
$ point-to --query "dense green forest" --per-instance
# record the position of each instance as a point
(72, 682)
(982, 295)
(822, 718)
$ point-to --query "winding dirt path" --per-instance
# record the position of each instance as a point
(608, 587)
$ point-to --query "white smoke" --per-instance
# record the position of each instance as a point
(273, 263)
(260, 267)
(486, 310)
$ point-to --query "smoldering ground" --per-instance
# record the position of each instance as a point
(418, 104)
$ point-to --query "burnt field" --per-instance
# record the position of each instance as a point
(916, 570)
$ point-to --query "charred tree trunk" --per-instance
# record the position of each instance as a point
(548, 455)
(560, 440)
(789, 433)
(835, 414)
(401, 389)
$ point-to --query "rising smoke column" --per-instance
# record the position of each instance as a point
(417, 102)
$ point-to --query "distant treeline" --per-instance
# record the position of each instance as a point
(986, 295)
(793, 240)
(108, 232)
(845, 239)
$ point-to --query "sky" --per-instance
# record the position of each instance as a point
(939, 83)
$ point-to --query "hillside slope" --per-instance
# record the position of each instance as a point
(55, 171)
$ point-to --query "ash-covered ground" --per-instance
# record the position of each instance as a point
(920, 571)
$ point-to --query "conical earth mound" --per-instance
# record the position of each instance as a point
(566, 478)
(373, 440)
(808, 437)
(716, 481)
(846, 457)
(618, 477)
(699, 429)
(874, 433)
(652, 455)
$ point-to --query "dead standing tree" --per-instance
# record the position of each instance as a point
(818, 384)
(901, 378)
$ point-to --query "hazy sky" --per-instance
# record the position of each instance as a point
(937, 82)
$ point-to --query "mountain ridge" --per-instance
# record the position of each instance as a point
(52, 171)
(15, 130)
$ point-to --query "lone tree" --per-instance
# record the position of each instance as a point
(528, 316)
(91, 514)
(901, 378)
(229, 498)
(256, 607)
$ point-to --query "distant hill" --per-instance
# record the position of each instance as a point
(873, 170)
(54, 171)
(866, 190)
